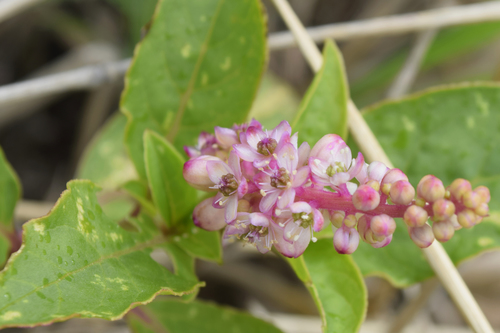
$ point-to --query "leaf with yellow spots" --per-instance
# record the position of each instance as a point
(173, 316)
(76, 262)
(191, 73)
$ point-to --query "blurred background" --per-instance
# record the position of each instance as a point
(45, 137)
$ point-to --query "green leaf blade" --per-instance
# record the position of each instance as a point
(10, 193)
(198, 67)
(324, 107)
(85, 265)
(173, 197)
(336, 285)
(169, 315)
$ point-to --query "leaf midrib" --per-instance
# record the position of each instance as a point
(190, 88)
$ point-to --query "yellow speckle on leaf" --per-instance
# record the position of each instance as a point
(10, 315)
(40, 228)
(186, 50)
(485, 241)
(408, 124)
(471, 122)
(226, 64)
(124, 287)
(204, 79)
(482, 104)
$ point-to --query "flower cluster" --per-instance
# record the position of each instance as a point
(272, 192)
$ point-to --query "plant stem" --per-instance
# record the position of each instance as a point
(368, 143)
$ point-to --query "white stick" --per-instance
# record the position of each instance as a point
(394, 25)
(77, 79)
(403, 82)
(9, 8)
(435, 254)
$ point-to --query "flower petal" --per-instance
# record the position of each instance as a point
(217, 169)
(226, 137)
(259, 220)
(300, 207)
(267, 202)
(278, 131)
(246, 153)
(286, 198)
(295, 249)
(234, 163)
(288, 157)
(319, 221)
(301, 176)
(254, 135)
(304, 151)
(231, 208)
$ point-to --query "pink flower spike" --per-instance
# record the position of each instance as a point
(421, 236)
(430, 188)
(207, 217)
(346, 240)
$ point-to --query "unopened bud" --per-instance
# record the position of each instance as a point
(430, 188)
(374, 184)
(337, 218)
(346, 240)
(393, 176)
(467, 218)
(420, 202)
(363, 226)
(443, 209)
(459, 187)
(422, 236)
(383, 242)
(482, 209)
(207, 217)
(196, 174)
(471, 199)
(402, 193)
(365, 198)
(415, 216)
(372, 238)
(350, 221)
(484, 193)
(383, 225)
(443, 231)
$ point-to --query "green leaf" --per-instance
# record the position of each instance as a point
(76, 262)
(201, 243)
(336, 285)
(173, 197)
(105, 160)
(139, 191)
(10, 193)
(198, 67)
(184, 266)
(451, 132)
(173, 316)
(324, 107)
(4, 249)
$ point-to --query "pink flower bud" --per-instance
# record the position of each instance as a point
(422, 236)
(443, 209)
(365, 198)
(393, 176)
(484, 193)
(337, 218)
(471, 199)
(382, 225)
(196, 174)
(207, 217)
(350, 221)
(466, 218)
(346, 240)
(415, 216)
(430, 188)
(443, 230)
(482, 209)
(458, 188)
(402, 193)
(384, 242)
